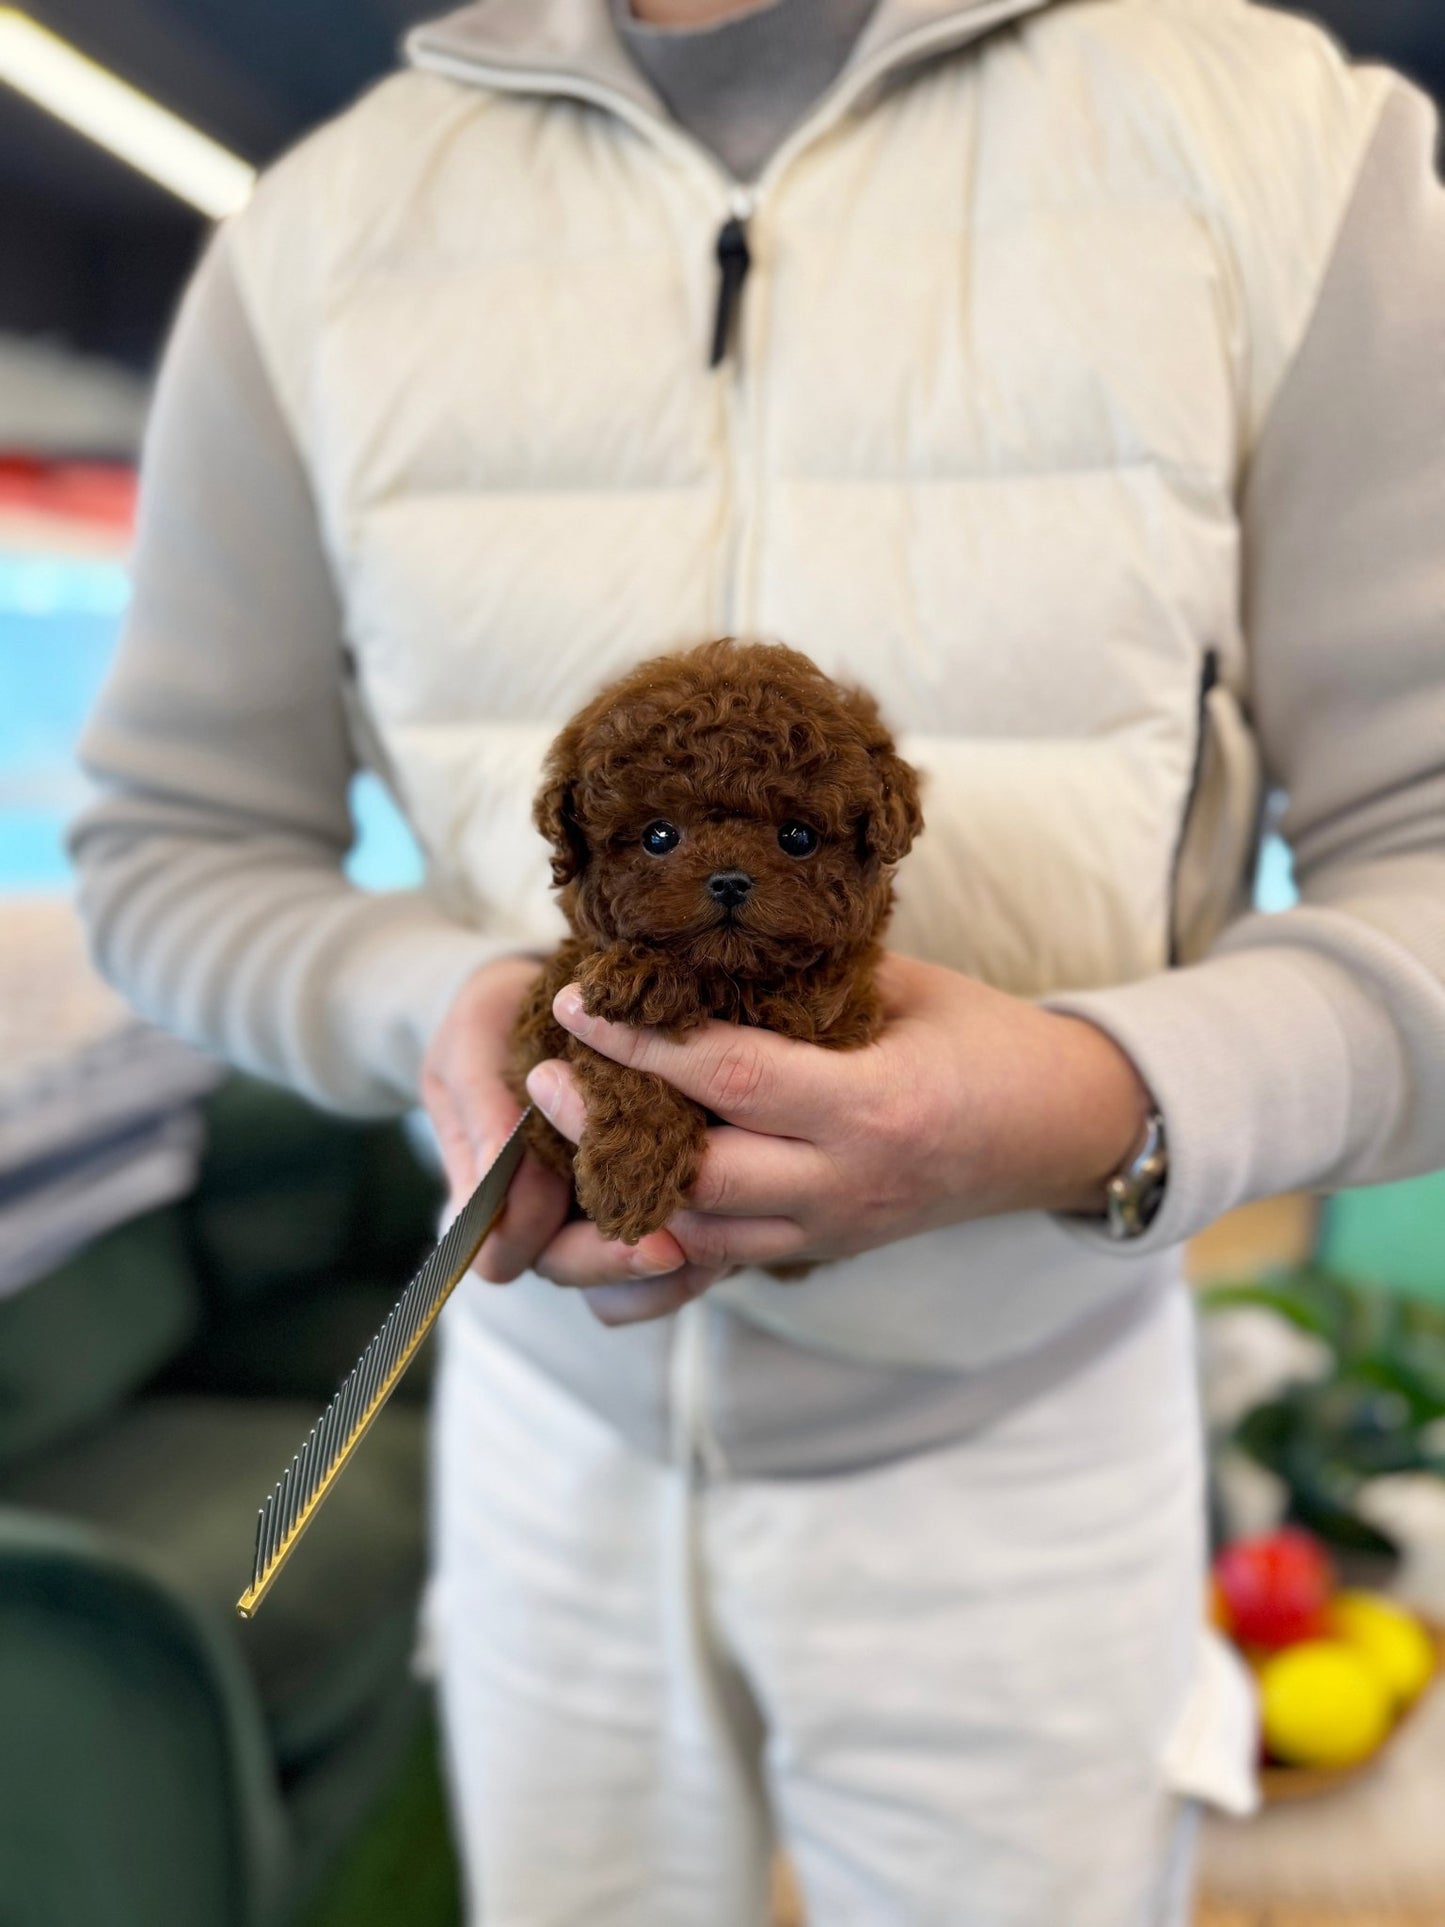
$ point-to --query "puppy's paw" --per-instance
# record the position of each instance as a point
(640, 1150)
(607, 991)
(632, 985)
(629, 1194)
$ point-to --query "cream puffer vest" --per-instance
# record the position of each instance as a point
(1021, 293)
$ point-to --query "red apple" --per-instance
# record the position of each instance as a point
(1275, 1590)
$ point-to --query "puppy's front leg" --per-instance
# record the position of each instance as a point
(630, 983)
(535, 1036)
(640, 1150)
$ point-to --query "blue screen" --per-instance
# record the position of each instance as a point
(59, 620)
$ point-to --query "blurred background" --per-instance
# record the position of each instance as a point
(188, 1262)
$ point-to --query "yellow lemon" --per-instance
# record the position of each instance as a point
(1322, 1704)
(1392, 1640)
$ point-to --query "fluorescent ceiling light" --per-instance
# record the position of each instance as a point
(117, 116)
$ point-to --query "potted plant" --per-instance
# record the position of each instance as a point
(1370, 1403)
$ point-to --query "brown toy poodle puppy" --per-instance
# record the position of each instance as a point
(723, 824)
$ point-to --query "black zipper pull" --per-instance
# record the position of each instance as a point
(733, 262)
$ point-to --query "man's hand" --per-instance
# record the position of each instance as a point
(971, 1102)
(473, 1114)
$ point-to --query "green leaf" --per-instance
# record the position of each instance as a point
(1325, 1438)
(1417, 1382)
(1424, 1319)
(1298, 1308)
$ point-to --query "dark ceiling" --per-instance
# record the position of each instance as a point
(94, 255)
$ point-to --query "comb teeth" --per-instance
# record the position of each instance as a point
(288, 1506)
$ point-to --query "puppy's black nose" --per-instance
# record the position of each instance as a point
(729, 887)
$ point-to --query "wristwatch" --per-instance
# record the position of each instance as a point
(1135, 1192)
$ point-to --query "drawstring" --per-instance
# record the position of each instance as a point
(733, 262)
(696, 1450)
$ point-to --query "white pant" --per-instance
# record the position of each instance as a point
(950, 1684)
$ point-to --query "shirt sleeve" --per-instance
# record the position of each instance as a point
(209, 859)
(1307, 1051)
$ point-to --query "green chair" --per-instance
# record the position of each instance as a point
(163, 1764)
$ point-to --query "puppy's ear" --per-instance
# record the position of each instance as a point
(555, 811)
(895, 817)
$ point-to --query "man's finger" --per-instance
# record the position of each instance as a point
(553, 1089)
(722, 1244)
(458, 1159)
(472, 1118)
(635, 1304)
(536, 1209)
(580, 1257)
(745, 1174)
(742, 1074)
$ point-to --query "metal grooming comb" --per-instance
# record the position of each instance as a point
(293, 1504)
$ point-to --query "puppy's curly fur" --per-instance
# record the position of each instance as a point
(724, 823)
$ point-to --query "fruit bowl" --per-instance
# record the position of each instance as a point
(1281, 1785)
(1338, 1671)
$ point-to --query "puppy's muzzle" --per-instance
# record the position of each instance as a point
(729, 887)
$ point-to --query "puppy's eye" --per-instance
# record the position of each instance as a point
(660, 837)
(797, 839)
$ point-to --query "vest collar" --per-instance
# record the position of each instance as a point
(570, 48)
(541, 46)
